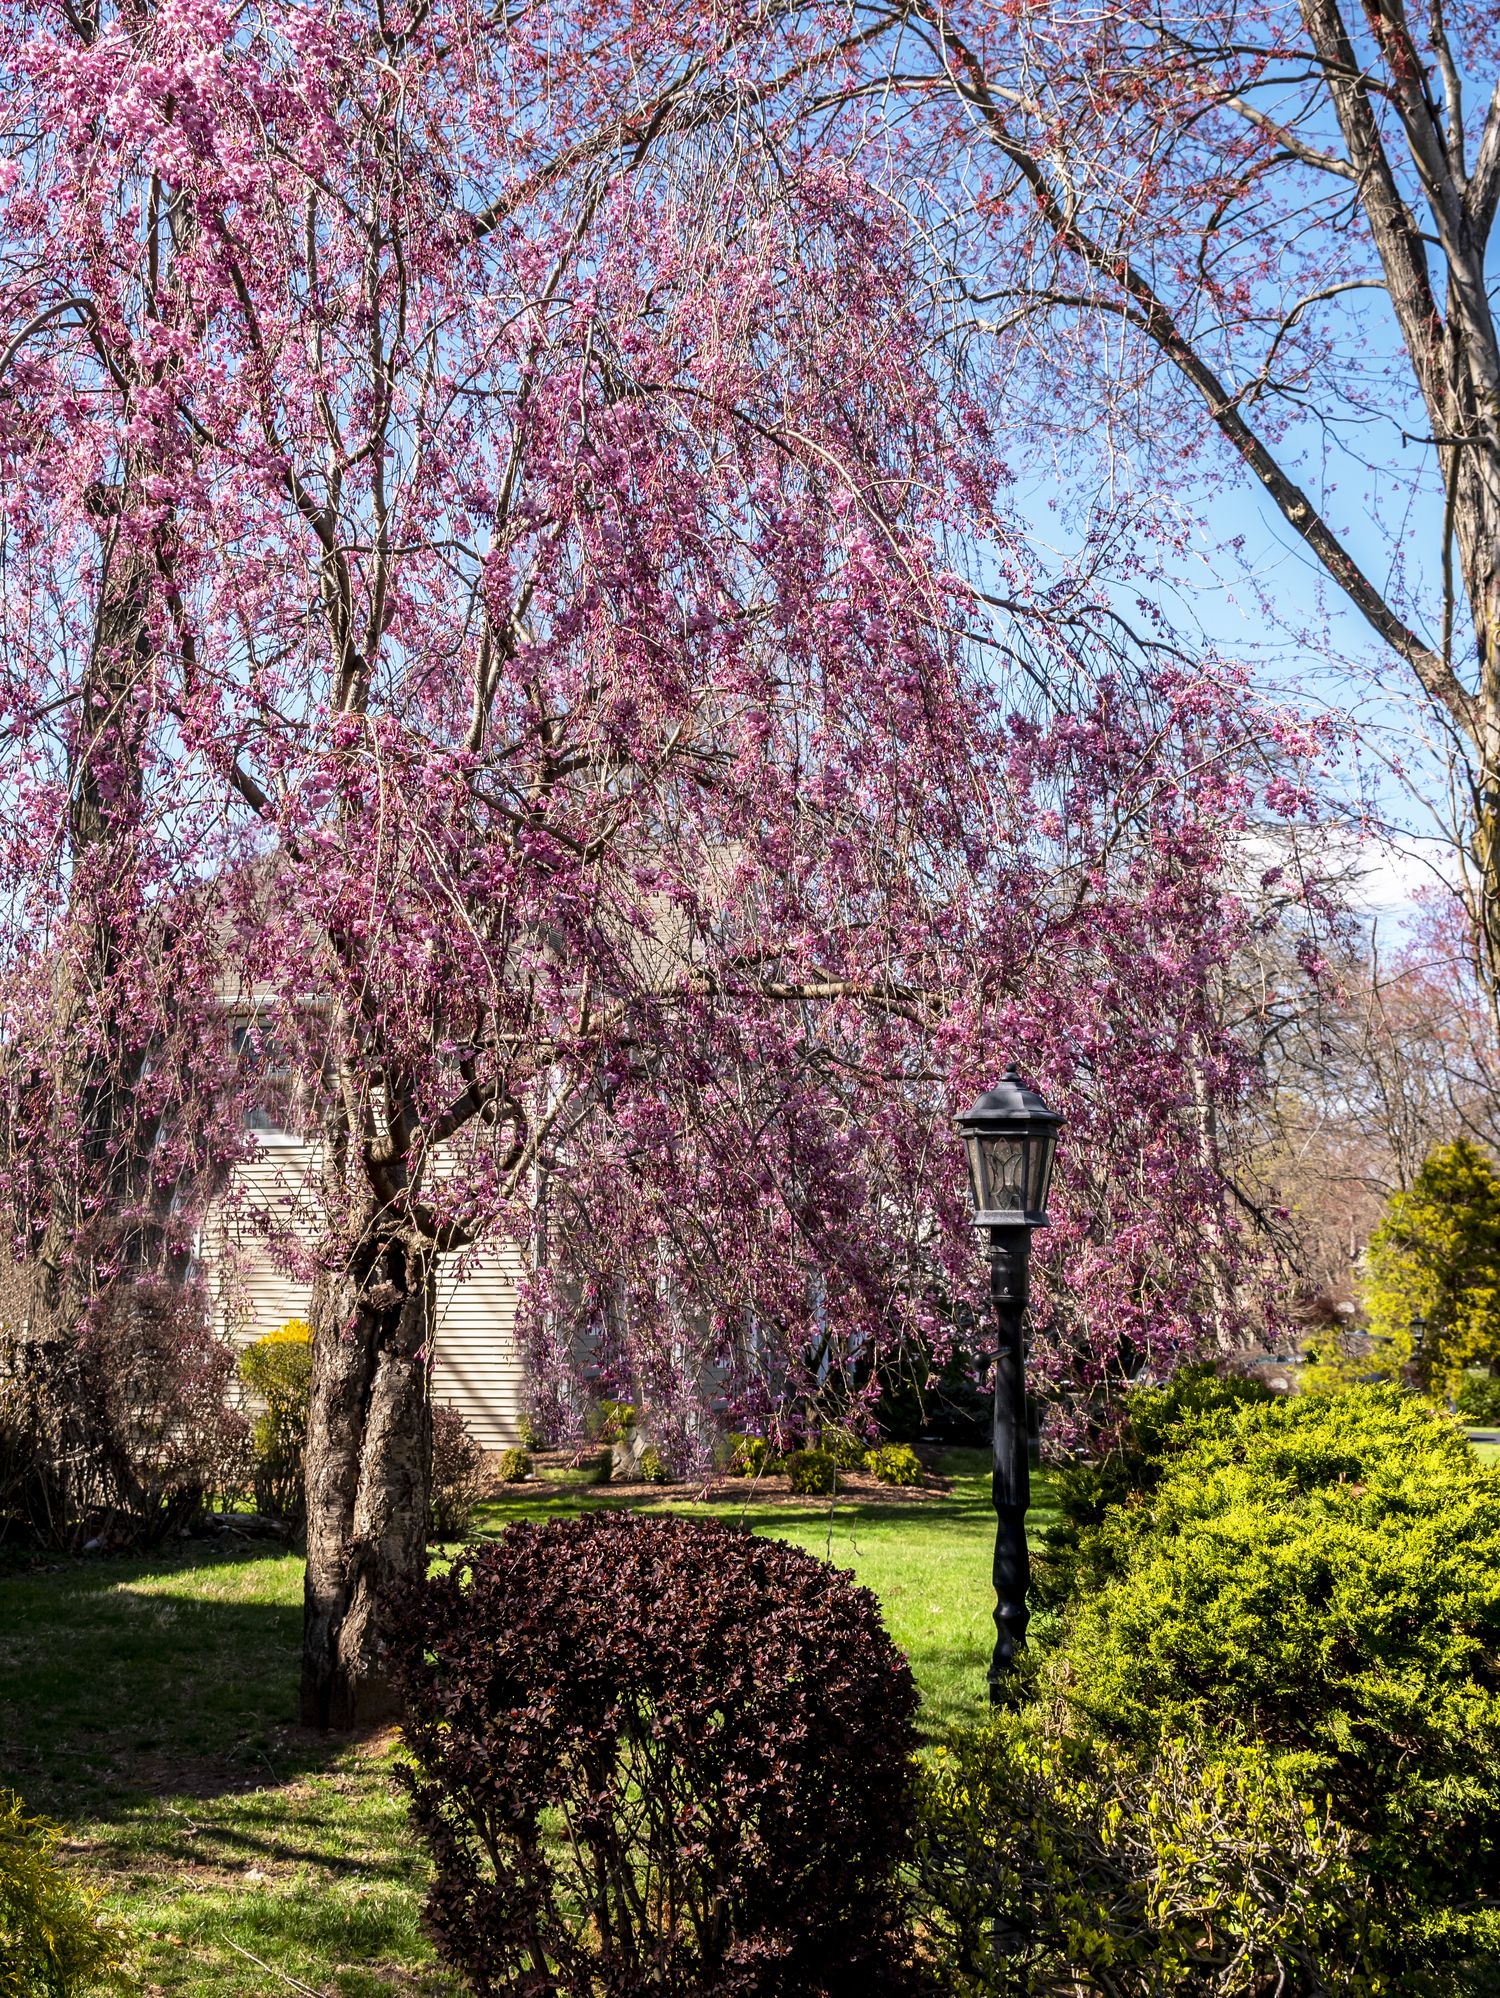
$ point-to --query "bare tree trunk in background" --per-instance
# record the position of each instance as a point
(1378, 128)
(105, 788)
(1216, 1262)
(368, 1460)
(1450, 336)
(92, 1088)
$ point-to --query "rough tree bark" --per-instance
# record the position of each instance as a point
(367, 1460)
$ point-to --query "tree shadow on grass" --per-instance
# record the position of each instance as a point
(174, 1676)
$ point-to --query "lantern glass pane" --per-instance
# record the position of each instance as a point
(1043, 1150)
(1005, 1172)
(976, 1173)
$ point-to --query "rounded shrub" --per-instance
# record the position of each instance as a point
(512, 1466)
(718, 1725)
(54, 1943)
(812, 1472)
(651, 1466)
(530, 1434)
(894, 1464)
(752, 1457)
(277, 1369)
(1322, 1575)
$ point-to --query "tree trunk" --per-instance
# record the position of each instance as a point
(104, 775)
(368, 1461)
(95, 1071)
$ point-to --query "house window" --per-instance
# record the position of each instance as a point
(275, 1079)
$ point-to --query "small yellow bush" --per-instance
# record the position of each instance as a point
(895, 1464)
(278, 1368)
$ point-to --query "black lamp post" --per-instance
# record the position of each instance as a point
(1010, 1137)
(1418, 1341)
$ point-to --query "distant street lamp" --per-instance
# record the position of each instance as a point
(1418, 1341)
(1010, 1137)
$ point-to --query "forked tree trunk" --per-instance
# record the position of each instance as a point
(368, 1458)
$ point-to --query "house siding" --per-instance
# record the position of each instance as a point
(477, 1364)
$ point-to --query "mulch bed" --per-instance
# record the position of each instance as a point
(855, 1488)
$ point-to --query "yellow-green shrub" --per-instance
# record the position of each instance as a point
(614, 1421)
(1436, 1255)
(1051, 1863)
(846, 1449)
(895, 1464)
(812, 1472)
(1321, 1575)
(1478, 1399)
(751, 1456)
(53, 1940)
(278, 1369)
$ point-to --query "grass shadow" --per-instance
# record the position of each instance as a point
(174, 1675)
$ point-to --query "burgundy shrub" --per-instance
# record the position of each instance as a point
(657, 1757)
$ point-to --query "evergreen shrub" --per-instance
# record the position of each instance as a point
(530, 1434)
(1049, 1864)
(752, 1457)
(512, 1466)
(614, 1421)
(846, 1449)
(895, 1464)
(812, 1471)
(1157, 1423)
(1478, 1400)
(651, 1466)
(54, 1943)
(1436, 1254)
(723, 1727)
(1321, 1575)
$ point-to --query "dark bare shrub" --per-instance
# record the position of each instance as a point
(154, 1437)
(457, 1476)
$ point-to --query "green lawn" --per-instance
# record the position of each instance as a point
(148, 1706)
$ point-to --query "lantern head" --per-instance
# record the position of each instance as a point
(1010, 1137)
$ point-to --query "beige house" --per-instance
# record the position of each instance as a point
(477, 1361)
